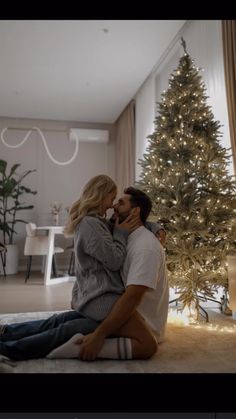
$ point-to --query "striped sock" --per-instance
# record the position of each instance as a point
(116, 348)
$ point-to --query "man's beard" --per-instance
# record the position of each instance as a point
(123, 216)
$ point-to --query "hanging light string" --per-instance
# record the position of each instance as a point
(45, 145)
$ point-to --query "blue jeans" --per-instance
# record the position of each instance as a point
(35, 339)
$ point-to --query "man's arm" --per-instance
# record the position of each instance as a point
(161, 235)
(158, 230)
(120, 313)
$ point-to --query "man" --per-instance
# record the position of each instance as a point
(146, 293)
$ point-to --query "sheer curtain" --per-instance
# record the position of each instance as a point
(125, 148)
(229, 50)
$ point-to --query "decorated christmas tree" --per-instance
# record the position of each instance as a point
(185, 173)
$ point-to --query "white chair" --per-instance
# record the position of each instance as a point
(36, 244)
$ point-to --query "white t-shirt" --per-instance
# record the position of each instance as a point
(145, 265)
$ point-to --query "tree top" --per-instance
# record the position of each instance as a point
(183, 43)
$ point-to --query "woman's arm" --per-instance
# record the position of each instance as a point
(99, 243)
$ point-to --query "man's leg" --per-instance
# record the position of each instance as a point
(143, 342)
(113, 348)
(40, 344)
(17, 331)
(134, 341)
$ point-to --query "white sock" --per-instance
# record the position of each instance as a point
(68, 350)
(115, 348)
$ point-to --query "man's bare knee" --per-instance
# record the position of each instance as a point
(145, 349)
(151, 348)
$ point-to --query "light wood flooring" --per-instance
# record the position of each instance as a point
(18, 297)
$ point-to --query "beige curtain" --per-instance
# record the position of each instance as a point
(125, 148)
(229, 51)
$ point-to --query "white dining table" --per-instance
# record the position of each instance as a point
(52, 231)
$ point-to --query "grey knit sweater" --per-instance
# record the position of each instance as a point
(99, 256)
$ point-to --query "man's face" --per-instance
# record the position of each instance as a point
(122, 208)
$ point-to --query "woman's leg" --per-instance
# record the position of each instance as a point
(16, 331)
(40, 344)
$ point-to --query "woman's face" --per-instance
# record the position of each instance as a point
(108, 202)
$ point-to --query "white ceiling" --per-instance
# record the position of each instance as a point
(77, 70)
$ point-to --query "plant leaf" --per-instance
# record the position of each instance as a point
(13, 169)
(3, 166)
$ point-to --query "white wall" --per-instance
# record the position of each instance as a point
(204, 44)
(53, 182)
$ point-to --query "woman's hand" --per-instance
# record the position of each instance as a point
(130, 223)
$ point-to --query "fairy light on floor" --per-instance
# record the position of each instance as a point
(187, 317)
(181, 317)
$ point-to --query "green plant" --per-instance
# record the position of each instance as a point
(11, 193)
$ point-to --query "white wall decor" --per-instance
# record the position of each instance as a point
(62, 163)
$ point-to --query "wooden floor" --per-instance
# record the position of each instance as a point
(18, 297)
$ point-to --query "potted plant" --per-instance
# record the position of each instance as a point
(12, 191)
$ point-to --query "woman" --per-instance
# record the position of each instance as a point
(99, 254)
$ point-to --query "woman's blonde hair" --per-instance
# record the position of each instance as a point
(90, 200)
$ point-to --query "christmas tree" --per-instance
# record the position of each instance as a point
(185, 173)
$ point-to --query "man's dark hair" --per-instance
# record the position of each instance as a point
(139, 199)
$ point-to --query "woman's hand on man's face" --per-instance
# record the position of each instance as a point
(130, 223)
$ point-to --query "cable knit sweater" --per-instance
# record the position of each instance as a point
(99, 255)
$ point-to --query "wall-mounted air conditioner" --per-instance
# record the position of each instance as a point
(89, 135)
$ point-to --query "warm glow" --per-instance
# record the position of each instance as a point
(181, 317)
(187, 317)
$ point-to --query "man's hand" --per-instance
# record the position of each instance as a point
(161, 235)
(91, 345)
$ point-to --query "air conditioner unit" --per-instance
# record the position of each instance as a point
(89, 135)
